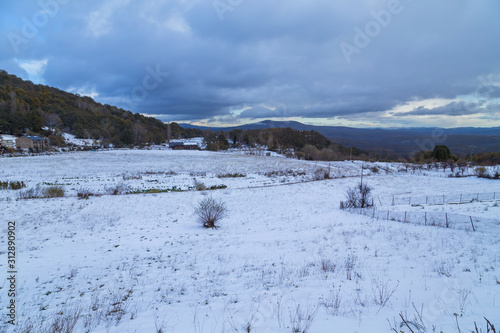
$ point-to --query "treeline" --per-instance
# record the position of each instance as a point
(26, 107)
(442, 153)
(486, 158)
(309, 145)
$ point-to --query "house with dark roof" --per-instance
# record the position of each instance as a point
(32, 142)
(176, 144)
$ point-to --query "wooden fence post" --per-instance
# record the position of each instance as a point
(405, 217)
(425, 218)
(447, 225)
(473, 229)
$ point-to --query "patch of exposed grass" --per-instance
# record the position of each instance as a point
(231, 175)
(12, 185)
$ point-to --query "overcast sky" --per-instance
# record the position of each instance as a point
(383, 63)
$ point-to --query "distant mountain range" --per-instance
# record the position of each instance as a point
(399, 141)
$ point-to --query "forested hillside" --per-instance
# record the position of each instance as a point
(31, 108)
(309, 145)
(27, 107)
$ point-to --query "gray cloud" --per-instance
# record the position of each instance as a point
(262, 112)
(453, 109)
(285, 55)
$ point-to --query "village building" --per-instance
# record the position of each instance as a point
(35, 143)
(179, 145)
(8, 141)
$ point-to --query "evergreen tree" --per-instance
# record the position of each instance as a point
(441, 153)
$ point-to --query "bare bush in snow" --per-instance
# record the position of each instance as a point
(210, 212)
(328, 266)
(117, 189)
(301, 320)
(38, 191)
(333, 304)
(358, 197)
(349, 265)
(321, 174)
(199, 186)
(382, 291)
(84, 193)
(415, 324)
(31, 193)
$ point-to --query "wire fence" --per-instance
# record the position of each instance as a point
(445, 199)
(438, 219)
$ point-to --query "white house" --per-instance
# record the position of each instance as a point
(8, 141)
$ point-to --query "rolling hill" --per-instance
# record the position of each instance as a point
(392, 141)
(25, 106)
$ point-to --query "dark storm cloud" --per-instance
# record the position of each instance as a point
(265, 57)
(343, 108)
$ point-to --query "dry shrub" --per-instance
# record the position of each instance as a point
(84, 193)
(53, 192)
(321, 174)
(358, 197)
(31, 193)
(210, 212)
(118, 189)
(199, 186)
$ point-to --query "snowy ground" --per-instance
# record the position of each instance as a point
(284, 253)
(71, 139)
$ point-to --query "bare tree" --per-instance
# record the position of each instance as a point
(140, 133)
(52, 121)
(169, 132)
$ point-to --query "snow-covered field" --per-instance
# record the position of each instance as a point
(285, 259)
